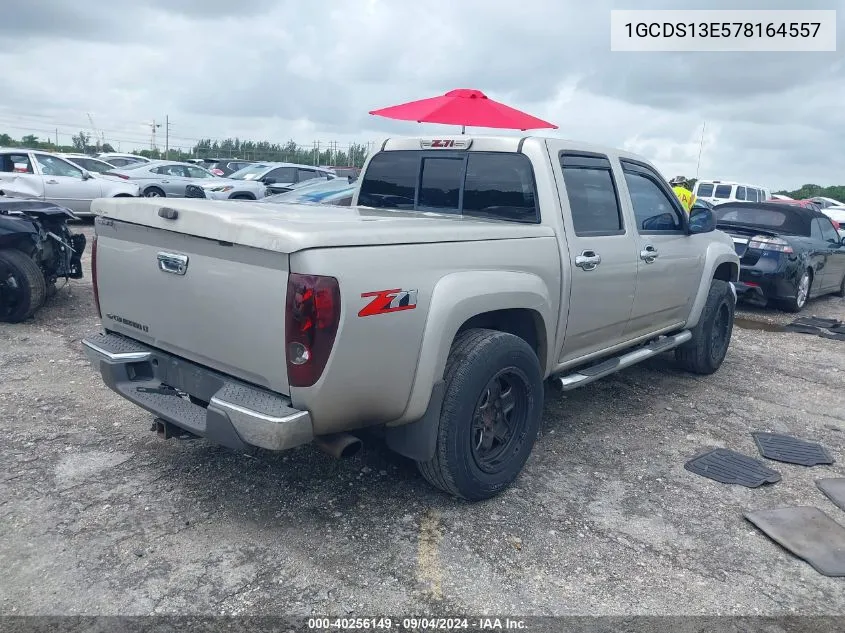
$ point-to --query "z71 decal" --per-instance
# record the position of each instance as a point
(386, 301)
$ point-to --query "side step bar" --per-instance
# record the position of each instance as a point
(587, 375)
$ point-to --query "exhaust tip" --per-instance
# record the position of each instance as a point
(339, 445)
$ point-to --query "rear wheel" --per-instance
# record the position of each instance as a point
(490, 416)
(802, 293)
(153, 192)
(22, 286)
(706, 350)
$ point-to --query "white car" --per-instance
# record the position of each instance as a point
(94, 165)
(837, 214)
(44, 176)
(824, 203)
(280, 175)
(122, 160)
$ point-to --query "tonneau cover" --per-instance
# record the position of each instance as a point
(288, 228)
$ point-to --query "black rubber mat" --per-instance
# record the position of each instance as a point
(834, 489)
(836, 336)
(791, 450)
(806, 532)
(802, 329)
(814, 321)
(838, 329)
(729, 467)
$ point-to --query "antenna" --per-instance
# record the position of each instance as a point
(700, 149)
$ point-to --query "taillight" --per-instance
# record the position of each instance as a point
(94, 275)
(763, 243)
(110, 173)
(217, 172)
(836, 224)
(312, 315)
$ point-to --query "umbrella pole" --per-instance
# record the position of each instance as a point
(463, 129)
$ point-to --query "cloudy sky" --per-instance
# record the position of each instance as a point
(287, 69)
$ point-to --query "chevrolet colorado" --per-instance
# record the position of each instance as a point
(467, 271)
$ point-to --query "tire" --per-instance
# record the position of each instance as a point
(23, 288)
(479, 361)
(711, 337)
(154, 192)
(841, 291)
(797, 303)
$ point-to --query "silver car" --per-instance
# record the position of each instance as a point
(172, 179)
(44, 176)
(160, 179)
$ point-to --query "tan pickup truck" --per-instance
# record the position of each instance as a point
(467, 272)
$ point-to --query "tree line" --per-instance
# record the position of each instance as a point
(289, 152)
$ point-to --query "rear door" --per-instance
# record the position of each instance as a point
(602, 252)
(669, 261)
(18, 177)
(64, 184)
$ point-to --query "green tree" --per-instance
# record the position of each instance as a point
(107, 147)
(80, 141)
(30, 140)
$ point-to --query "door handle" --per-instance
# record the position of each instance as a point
(52, 182)
(165, 182)
(649, 254)
(588, 260)
(173, 263)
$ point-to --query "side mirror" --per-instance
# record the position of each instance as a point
(701, 221)
(86, 175)
(269, 181)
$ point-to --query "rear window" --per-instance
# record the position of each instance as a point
(705, 189)
(723, 191)
(478, 184)
(782, 221)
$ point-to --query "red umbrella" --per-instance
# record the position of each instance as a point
(464, 107)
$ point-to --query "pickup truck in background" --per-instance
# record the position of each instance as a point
(466, 272)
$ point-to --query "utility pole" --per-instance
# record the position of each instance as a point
(167, 137)
(153, 127)
(57, 138)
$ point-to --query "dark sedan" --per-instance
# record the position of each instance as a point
(788, 253)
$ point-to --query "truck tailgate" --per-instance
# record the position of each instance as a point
(219, 304)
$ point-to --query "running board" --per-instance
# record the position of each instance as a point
(612, 365)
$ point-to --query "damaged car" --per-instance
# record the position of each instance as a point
(36, 249)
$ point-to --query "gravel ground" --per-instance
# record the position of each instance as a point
(99, 516)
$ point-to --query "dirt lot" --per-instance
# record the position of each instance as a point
(99, 516)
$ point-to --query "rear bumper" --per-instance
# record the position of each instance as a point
(763, 286)
(238, 415)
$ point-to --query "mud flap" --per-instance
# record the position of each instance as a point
(418, 440)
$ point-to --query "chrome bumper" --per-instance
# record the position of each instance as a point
(238, 415)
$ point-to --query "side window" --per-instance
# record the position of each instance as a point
(390, 180)
(816, 230)
(652, 207)
(829, 234)
(283, 174)
(196, 172)
(592, 194)
(440, 187)
(723, 192)
(753, 195)
(306, 174)
(740, 193)
(705, 190)
(500, 186)
(52, 166)
(16, 164)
